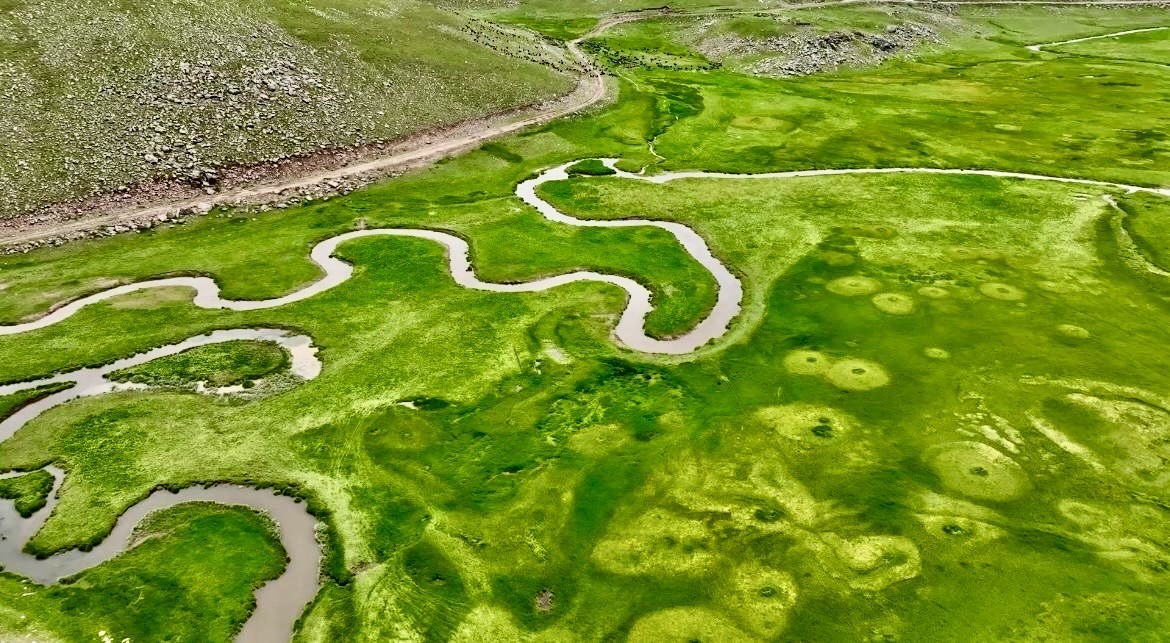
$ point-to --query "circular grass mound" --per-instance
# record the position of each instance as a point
(806, 362)
(857, 375)
(1002, 292)
(976, 470)
(807, 422)
(1073, 332)
(761, 597)
(876, 562)
(893, 303)
(967, 253)
(659, 542)
(937, 353)
(854, 286)
(933, 292)
(838, 259)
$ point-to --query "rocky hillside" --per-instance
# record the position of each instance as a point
(98, 96)
(809, 51)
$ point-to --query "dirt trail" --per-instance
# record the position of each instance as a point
(591, 89)
(1115, 34)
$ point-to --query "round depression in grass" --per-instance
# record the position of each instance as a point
(761, 597)
(979, 471)
(810, 423)
(933, 292)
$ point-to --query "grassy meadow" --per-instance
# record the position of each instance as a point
(943, 413)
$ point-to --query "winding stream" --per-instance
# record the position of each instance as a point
(281, 601)
(278, 602)
(88, 382)
(630, 329)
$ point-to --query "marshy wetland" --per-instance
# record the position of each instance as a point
(873, 353)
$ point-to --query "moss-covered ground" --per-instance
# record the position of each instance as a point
(28, 491)
(943, 413)
(189, 579)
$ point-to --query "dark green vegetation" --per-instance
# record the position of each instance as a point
(942, 415)
(1148, 222)
(226, 364)
(190, 579)
(28, 492)
(590, 167)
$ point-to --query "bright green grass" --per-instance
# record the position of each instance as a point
(28, 492)
(9, 404)
(1007, 482)
(226, 364)
(192, 580)
(932, 217)
(559, 28)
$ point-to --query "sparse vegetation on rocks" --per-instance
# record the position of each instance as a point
(103, 99)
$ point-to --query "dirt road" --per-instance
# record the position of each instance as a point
(419, 150)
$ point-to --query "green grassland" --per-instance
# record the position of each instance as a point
(942, 415)
(9, 404)
(190, 579)
(1146, 221)
(28, 492)
(227, 364)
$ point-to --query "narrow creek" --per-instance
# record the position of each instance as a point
(280, 602)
